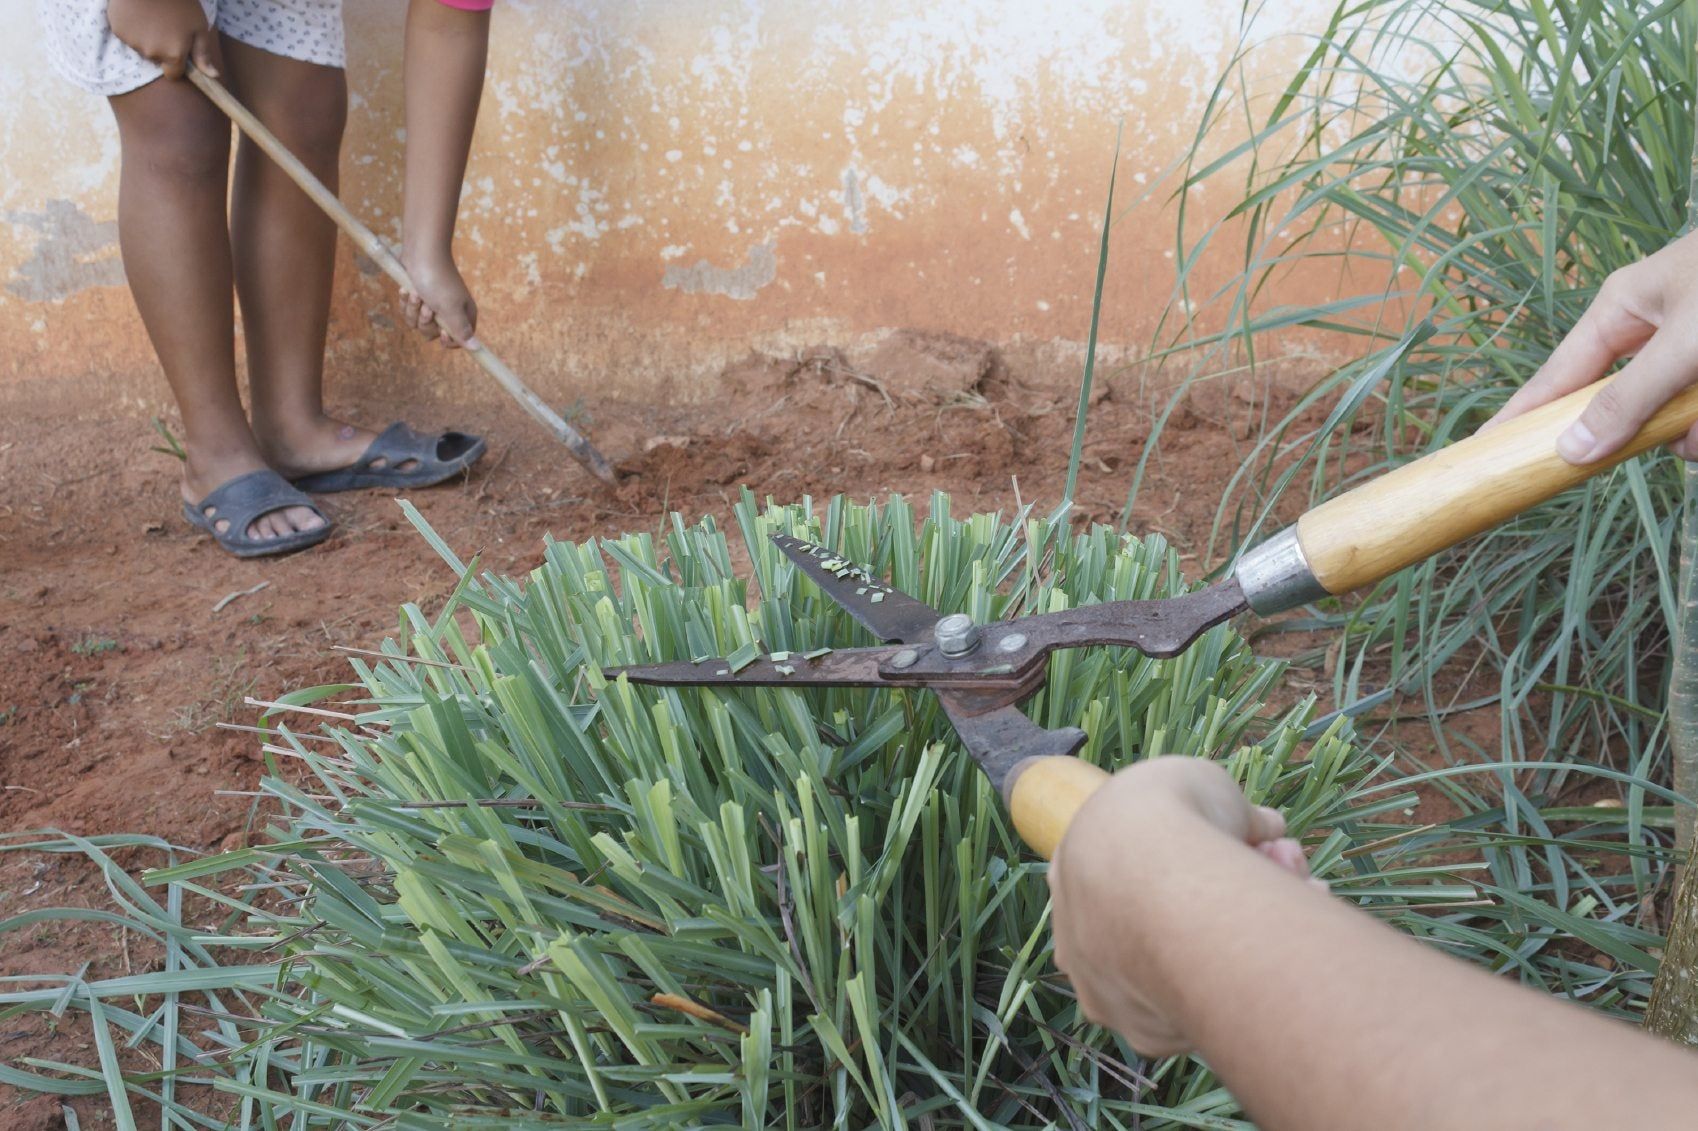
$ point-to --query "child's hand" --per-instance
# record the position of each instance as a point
(167, 32)
(1648, 310)
(1188, 804)
(440, 306)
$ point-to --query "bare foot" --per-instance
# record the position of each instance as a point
(203, 474)
(323, 444)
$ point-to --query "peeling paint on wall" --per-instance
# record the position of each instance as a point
(854, 207)
(73, 252)
(740, 282)
(923, 164)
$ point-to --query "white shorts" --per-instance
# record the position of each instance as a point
(82, 48)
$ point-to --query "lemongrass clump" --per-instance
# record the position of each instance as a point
(507, 893)
(768, 907)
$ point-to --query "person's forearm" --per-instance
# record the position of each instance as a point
(445, 56)
(1319, 1017)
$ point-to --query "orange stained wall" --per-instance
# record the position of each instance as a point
(659, 186)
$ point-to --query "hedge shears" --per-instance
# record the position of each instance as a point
(982, 673)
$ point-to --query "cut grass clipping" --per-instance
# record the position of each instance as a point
(506, 892)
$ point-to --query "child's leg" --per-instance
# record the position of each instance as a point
(285, 253)
(176, 250)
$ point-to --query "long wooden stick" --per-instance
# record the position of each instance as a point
(364, 238)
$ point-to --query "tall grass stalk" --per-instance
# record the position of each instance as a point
(1672, 1011)
(1083, 412)
(1683, 681)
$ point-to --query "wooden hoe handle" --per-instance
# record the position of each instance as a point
(366, 240)
(1410, 514)
(1045, 793)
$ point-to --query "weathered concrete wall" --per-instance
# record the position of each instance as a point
(658, 185)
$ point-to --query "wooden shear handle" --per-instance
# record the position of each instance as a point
(1408, 515)
(1045, 793)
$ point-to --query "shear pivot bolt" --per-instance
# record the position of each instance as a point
(906, 658)
(956, 634)
(1013, 642)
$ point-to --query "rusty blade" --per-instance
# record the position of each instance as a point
(852, 667)
(999, 736)
(1161, 628)
(987, 718)
(886, 612)
(992, 728)
(845, 667)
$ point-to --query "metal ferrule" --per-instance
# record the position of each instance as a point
(1275, 575)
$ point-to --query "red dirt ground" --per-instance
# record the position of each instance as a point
(119, 668)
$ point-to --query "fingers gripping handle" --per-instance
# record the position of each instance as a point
(1045, 793)
(1410, 514)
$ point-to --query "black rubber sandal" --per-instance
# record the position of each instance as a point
(434, 459)
(243, 499)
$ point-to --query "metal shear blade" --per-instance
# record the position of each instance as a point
(980, 675)
(886, 612)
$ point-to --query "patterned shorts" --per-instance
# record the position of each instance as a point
(82, 48)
